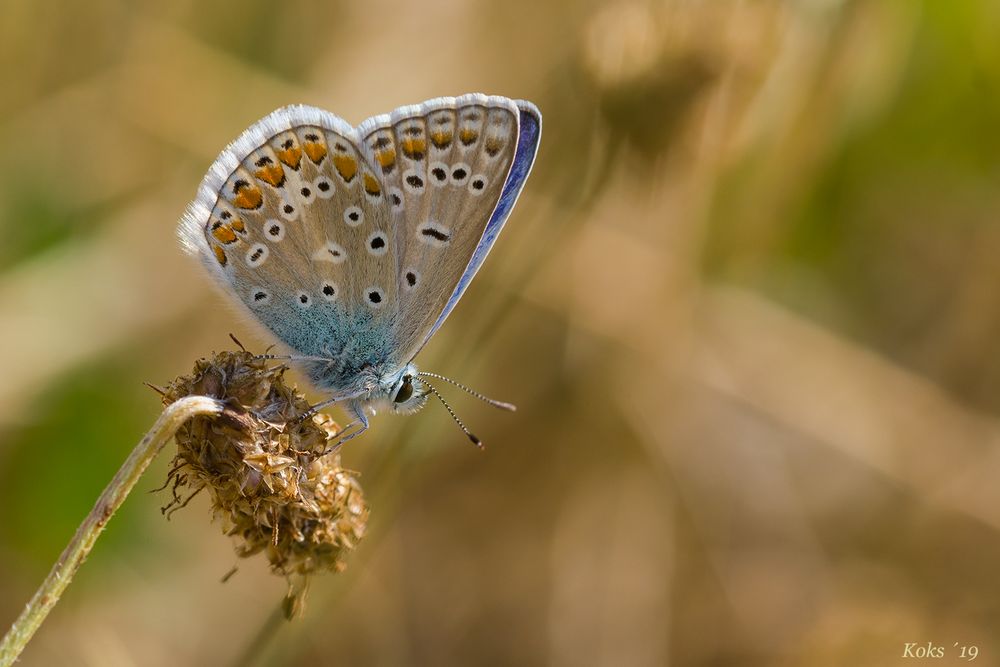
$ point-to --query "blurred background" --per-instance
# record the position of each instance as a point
(747, 306)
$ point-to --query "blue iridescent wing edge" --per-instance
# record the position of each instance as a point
(528, 137)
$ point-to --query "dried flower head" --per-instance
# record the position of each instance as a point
(270, 474)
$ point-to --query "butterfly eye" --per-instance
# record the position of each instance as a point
(405, 391)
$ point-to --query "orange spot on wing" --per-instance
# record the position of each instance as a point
(223, 234)
(372, 185)
(290, 156)
(248, 196)
(220, 254)
(386, 158)
(315, 150)
(467, 136)
(272, 174)
(237, 225)
(493, 145)
(441, 139)
(346, 166)
(413, 148)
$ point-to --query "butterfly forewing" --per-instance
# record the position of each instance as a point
(444, 165)
(354, 244)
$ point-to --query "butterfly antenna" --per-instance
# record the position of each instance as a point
(486, 399)
(476, 441)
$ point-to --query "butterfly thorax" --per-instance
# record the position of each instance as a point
(373, 387)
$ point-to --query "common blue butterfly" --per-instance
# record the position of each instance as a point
(353, 244)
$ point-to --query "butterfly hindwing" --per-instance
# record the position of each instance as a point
(299, 230)
(354, 244)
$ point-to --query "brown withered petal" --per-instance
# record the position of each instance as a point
(268, 473)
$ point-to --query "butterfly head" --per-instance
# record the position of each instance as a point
(406, 393)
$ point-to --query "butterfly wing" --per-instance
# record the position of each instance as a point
(452, 170)
(294, 221)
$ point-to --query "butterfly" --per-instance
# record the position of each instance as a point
(352, 245)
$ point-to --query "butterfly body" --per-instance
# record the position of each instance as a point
(352, 245)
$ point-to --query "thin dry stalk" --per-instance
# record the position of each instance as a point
(48, 594)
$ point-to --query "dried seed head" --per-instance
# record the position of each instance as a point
(269, 474)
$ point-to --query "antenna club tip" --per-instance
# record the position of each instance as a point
(476, 441)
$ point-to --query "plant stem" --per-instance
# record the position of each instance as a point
(86, 535)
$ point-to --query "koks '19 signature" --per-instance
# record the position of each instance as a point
(931, 650)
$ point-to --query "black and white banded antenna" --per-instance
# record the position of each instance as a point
(486, 399)
(476, 441)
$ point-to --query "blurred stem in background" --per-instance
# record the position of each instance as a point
(48, 594)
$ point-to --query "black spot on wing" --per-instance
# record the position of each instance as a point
(435, 234)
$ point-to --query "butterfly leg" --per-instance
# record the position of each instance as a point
(360, 420)
(287, 357)
(358, 413)
(313, 409)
